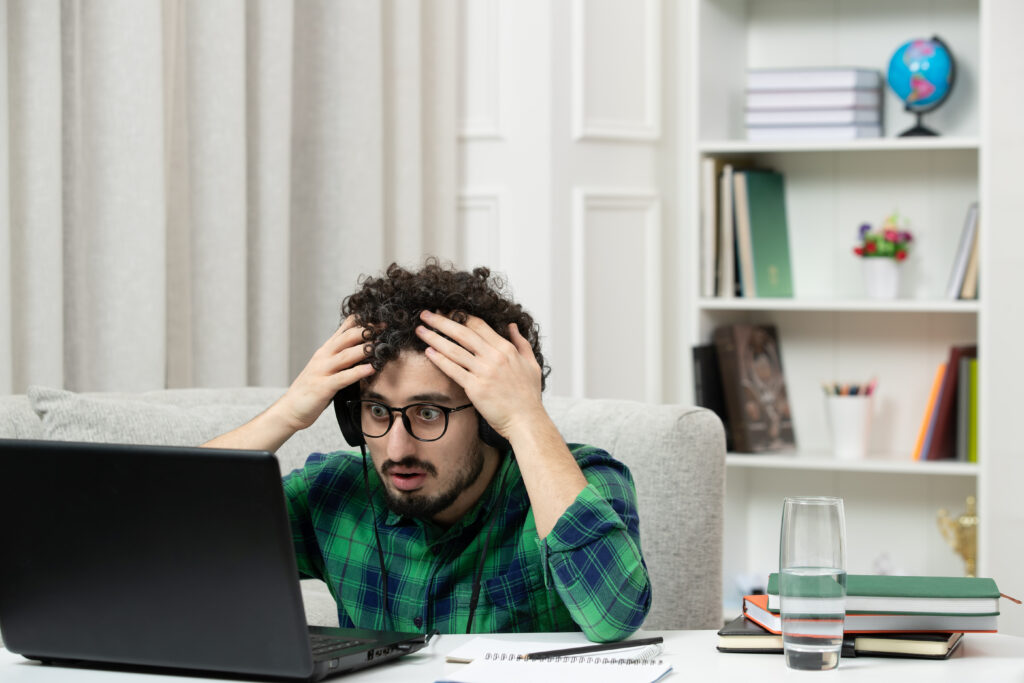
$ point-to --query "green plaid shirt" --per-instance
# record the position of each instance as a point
(588, 574)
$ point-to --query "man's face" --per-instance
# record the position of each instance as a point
(437, 480)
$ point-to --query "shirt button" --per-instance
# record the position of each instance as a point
(418, 621)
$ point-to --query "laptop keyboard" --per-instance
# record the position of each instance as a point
(324, 646)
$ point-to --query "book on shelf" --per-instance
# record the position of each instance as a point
(754, 388)
(743, 238)
(755, 607)
(743, 635)
(887, 594)
(815, 78)
(707, 386)
(963, 408)
(962, 256)
(972, 414)
(711, 169)
(812, 133)
(726, 239)
(762, 233)
(927, 423)
(815, 99)
(942, 445)
(969, 290)
(812, 117)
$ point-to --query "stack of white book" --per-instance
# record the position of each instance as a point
(825, 103)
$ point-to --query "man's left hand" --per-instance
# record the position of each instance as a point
(501, 377)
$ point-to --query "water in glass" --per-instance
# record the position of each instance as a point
(813, 607)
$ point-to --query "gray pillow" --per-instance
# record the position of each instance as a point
(176, 417)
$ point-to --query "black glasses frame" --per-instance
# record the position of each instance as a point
(356, 408)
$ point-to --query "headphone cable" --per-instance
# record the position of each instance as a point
(479, 573)
(376, 537)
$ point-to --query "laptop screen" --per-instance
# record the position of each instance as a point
(149, 555)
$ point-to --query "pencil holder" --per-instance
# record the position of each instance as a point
(849, 420)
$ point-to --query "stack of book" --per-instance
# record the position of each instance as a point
(886, 616)
(813, 104)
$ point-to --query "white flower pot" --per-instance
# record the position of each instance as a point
(881, 277)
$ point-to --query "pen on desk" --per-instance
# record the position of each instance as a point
(586, 649)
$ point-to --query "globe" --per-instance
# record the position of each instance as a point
(921, 73)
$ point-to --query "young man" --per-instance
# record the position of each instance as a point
(453, 528)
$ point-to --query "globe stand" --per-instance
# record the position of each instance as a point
(919, 129)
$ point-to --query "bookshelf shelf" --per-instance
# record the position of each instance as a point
(739, 147)
(839, 306)
(820, 461)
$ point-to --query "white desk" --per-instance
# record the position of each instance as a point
(981, 657)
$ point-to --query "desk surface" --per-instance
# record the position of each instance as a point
(981, 656)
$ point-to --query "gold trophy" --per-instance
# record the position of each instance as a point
(962, 534)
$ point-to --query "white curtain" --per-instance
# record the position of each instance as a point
(188, 188)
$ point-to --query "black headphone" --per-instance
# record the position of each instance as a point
(347, 413)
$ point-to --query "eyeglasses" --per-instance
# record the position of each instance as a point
(423, 421)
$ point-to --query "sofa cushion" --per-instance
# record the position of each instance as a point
(17, 419)
(175, 417)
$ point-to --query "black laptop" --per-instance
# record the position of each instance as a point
(160, 556)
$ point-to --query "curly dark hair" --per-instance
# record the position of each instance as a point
(388, 307)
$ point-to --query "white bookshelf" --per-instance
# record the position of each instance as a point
(829, 331)
(838, 305)
(888, 144)
(822, 461)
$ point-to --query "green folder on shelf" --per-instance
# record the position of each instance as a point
(764, 215)
(879, 594)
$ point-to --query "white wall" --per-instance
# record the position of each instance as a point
(566, 159)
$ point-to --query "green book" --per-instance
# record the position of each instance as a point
(878, 594)
(769, 233)
(972, 412)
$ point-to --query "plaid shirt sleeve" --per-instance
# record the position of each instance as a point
(296, 492)
(593, 553)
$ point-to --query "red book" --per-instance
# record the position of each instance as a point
(755, 608)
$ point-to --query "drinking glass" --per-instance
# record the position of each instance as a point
(812, 581)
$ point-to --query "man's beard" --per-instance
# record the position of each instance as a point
(426, 507)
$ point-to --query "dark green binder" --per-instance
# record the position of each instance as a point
(769, 233)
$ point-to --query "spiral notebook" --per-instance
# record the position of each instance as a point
(497, 661)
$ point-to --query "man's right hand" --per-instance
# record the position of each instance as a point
(334, 366)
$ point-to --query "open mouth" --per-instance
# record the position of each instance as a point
(407, 480)
(408, 474)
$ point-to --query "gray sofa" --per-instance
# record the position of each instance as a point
(676, 455)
